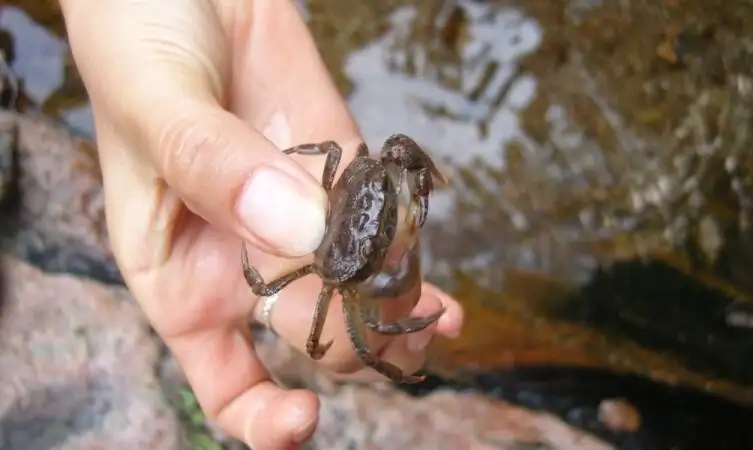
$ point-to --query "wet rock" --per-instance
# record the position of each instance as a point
(56, 219)
(381, 417)
(78, 367)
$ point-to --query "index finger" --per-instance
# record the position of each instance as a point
(290, 100)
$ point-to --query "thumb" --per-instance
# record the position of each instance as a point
(166, 69)
(232, 176)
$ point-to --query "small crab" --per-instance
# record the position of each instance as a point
(361, 224)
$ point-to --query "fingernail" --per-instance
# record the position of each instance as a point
(283, 211)
(417, 342)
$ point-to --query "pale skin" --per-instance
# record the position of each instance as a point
(192, 100)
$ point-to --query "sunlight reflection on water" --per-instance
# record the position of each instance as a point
(386, 101)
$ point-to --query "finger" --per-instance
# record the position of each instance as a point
(301, 102)
(234, 389)
(231, 175)
(221, 168)
(451, 322)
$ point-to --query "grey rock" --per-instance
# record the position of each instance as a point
(78, 367)
(55, 216)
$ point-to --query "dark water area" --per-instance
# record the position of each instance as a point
(671, 417)
(597, 228)
(722, 354)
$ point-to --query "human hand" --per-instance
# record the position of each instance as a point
(192, 101)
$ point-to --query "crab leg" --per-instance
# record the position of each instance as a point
(262, 289)
(357, 333)
(370, 317)
(329, 148)
(313, 348)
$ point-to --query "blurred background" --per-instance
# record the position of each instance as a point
(597, 230)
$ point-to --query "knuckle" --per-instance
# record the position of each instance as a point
(186, 149)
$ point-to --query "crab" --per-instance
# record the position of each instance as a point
(362, 221)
